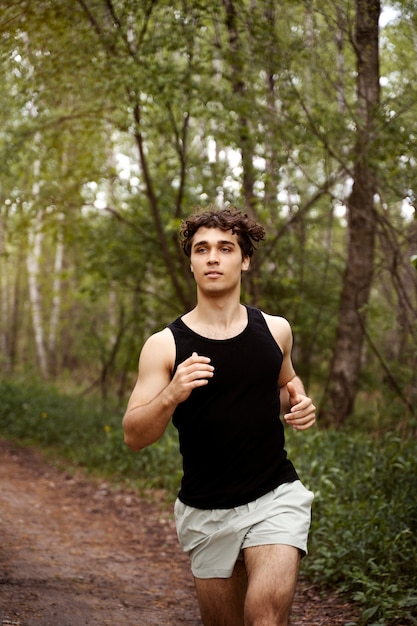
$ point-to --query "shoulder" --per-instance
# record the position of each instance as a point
(280, 329)
(160, 338)
(155, 368)
(159, 348)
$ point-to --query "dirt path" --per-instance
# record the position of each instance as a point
(74, 552)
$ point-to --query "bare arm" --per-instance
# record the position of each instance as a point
(302, 412)
(156, 393)
(298, 408)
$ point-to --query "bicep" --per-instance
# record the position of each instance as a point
(155, 366)
(282, 333)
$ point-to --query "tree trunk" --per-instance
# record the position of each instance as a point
(186, 299)
(246, 143)
(341, 388)
(56, 302)
(35, 298)
(4, 301)
(35, 238)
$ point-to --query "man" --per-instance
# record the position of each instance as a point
(222, 371)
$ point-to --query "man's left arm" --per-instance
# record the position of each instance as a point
(298, 408)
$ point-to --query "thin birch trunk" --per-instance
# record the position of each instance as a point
(4, 302)
(56, 300)
(35, 238)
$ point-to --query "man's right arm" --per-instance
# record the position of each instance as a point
(156, 393)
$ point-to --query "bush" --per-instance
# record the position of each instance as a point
(364, 530)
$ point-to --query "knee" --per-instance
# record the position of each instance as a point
(264, 611)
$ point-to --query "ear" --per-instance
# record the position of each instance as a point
(245, 264)
(191, 268)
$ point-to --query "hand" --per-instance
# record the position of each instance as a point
(195, 371)
(303, 412)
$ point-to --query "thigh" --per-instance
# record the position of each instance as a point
(211, 538)
(221, 600)
(286, 517)
(272, 572)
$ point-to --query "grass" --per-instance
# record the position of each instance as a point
(364, 531)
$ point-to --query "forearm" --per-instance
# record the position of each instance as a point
(145, 424)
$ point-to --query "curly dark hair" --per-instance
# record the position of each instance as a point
(245, 228)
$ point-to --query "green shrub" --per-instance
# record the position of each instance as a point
(364, 530)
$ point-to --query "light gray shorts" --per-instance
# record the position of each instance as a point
(214, 538)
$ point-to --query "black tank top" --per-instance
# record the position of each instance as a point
(231, 437)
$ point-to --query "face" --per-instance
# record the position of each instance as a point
(216, 259)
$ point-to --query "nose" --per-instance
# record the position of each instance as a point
(212, 259)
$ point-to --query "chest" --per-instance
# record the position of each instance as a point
(251, 358)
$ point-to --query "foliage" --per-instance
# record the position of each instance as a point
(117, 117)
(86, 434)
(364, 529)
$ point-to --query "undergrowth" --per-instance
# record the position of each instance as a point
(86, 434)
(364, 531)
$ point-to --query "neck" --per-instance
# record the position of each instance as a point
(219, 313)
(216, 319)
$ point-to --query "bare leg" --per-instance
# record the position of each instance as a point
(222, 600)
(272, 579)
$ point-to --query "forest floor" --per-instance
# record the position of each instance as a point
(75, 551)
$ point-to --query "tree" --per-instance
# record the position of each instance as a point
(345, 367)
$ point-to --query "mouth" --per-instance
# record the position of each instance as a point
(213, 274)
